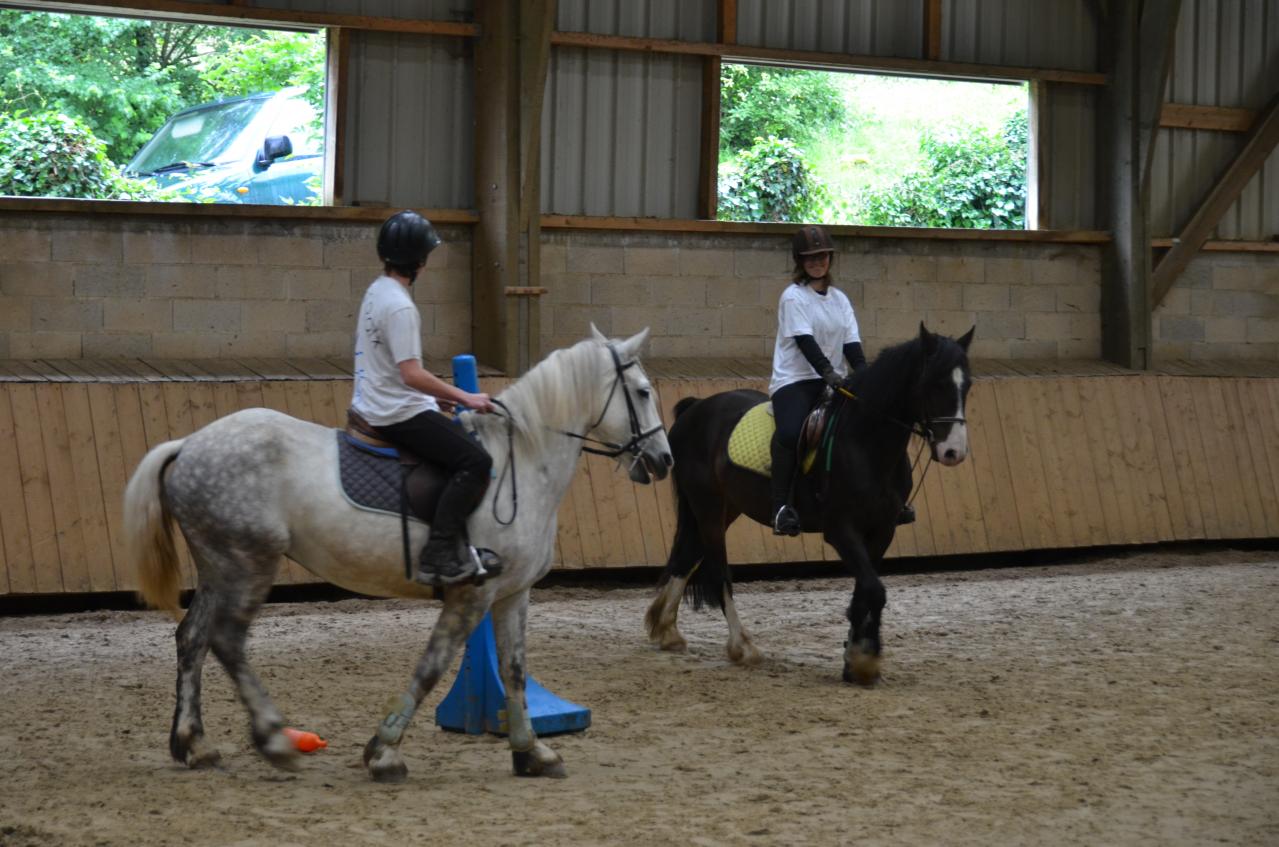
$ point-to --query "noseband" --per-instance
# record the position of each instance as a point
(638, 436)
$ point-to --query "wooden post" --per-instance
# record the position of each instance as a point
(932, 29)
(1038, 174)
(494, 248)
(537, 21)
(335, 99)
(1138, 38)
(708, 181)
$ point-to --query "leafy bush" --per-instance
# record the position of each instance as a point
(972, 178)
(52, 155)
(759, 101)
(771, 181)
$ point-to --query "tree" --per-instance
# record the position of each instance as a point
(972, 178)
(759, 101)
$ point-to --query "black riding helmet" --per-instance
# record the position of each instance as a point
(404, 242)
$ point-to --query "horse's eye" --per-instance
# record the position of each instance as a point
(644, 393)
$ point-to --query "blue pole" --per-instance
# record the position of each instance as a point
(477, 702)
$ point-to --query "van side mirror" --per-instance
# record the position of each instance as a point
(275, 147)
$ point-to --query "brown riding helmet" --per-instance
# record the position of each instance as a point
(810, 240)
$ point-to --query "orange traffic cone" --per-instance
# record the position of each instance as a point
(305, 742)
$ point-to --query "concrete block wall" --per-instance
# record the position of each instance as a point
(75, 286)
(119, 286)
(1224, 306)
(716, 295)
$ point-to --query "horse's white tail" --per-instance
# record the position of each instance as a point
(148, 530)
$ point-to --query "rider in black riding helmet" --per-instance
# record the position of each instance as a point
(401, 400)
(815, 325)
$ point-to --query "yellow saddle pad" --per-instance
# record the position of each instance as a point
(750, 444)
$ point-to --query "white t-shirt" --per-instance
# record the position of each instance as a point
(827, 317)
(387, 332)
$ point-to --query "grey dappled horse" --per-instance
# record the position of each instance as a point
(259, 485)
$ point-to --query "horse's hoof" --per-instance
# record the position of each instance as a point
(861, 667)
(280, 752)
(385, 763)
(746, 654)
(673, 642)
(202, 755)
(540, 761)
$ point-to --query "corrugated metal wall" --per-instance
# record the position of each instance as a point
(866, 27)
(1039, 34)
(437, 10)
(621, 130)
(1226, 54)
(410, 121)
(621, 134)
(686, 20)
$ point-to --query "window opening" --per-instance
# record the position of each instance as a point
(98, 107)
(838, 147)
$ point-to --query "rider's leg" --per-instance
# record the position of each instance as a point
(791, 404)
(446, 557)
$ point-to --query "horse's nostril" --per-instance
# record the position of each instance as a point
(668, 460)
(950, 454)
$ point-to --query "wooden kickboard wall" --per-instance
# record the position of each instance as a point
(1056, 461)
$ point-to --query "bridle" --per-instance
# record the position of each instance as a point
(607, 448)
(924, 430)
(638, 436)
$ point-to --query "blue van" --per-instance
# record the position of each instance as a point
(265, 148)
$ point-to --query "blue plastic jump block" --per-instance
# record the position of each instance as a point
(477, 702)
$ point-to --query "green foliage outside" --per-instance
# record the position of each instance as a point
(972, 178)
(760, 101)
(119, 80)
(50, 155)
(893, 151)
(772, 181)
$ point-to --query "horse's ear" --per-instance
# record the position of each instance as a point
(967, 338)
(632, 345)
(597, 335)
(927, 339)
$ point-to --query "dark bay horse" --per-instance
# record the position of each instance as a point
(920, 385)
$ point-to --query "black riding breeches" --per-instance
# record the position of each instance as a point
(791, 404)
(437, 439)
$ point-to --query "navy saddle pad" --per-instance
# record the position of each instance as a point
(371, 478)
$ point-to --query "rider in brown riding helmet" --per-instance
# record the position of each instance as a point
(815, 327)
(401, 399)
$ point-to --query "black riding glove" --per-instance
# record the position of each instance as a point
(808, 346)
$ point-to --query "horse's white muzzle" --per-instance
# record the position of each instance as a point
(952, 449)
(653, 462)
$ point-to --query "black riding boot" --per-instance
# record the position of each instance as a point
(785, 518)
(448, 557)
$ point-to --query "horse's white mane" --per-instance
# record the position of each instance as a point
(552, 395)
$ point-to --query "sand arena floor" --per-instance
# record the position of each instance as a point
(1125, 701)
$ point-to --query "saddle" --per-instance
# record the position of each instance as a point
(749, 443)
(379, 477)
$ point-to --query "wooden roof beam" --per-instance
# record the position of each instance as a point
(1260, 142)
